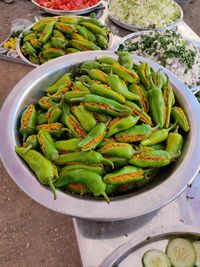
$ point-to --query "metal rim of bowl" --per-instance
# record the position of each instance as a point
(18, 45)
(94, 209)
(126, 249)
(136, 28)
(69, 12)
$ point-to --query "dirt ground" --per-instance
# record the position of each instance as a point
(31, 235)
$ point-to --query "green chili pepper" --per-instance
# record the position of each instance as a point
(79, 87)
(140, 91)
(174, 144)
(85, 117)
(35, 43)
(57, 42)
(98, 75)
(89, 65)
(81, 31)
(115, 149)
(120, 86)
(89, 35)
(107, 60)
(77, 188)
(137, 111)
(60, 83)
(64, 146)
(54, 114)
(91, 20)
(156, 105)
(84, 45)
(70, 50)
(125, 175)
(97, 169)
(47, 32)
(168, 100)
(179, 116)
(55, 128)
(68, 19)
(158, 80)
(156, 137)
(59, 35)
(159, 146)
(31, 142)
(41, 24)
(85, 79)
(135, 133)
(93, 138)
(104, 105)
(144, 72)
(120, 124)
(125, 74)
(53, 52)
(29, 36)
(47, 45)
(30, 50)
(92, 180)
(152, 158)
(41, 118)
(74, 96)
(34, 60)
(101, 117)
(102, 41)
(73, 124)
(28, 121)
(105, 91)
(67, 29)
(94, 28)
(46, 102)
(62, 90)
(47, 145)
(45, 171)
(125, 59)
(88, 157)
(77, 36)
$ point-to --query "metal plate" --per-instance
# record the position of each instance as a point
(173, 181)
(130, 254)
(67, 12)
(131, 27)
(18, 45)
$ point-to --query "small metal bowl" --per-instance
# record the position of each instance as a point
(19, 42)
(172, 181)
(131, 27)
(67, 12)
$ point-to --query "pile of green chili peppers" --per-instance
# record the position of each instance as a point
(54, 37)
(106, 130)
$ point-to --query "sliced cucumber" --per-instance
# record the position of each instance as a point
(196, 245)
(181, 253)
(155, 258)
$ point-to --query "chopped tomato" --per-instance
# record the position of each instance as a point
(67, 4)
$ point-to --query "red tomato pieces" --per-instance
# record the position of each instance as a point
(67, 4)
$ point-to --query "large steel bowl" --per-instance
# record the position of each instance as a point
(132, 27)
(171, 182)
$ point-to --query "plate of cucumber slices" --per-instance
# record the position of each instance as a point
(177, 246)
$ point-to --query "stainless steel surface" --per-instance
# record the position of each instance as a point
(106, 237)
(171, 183)
(132, 27)
(67, 12)
(131, 253)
